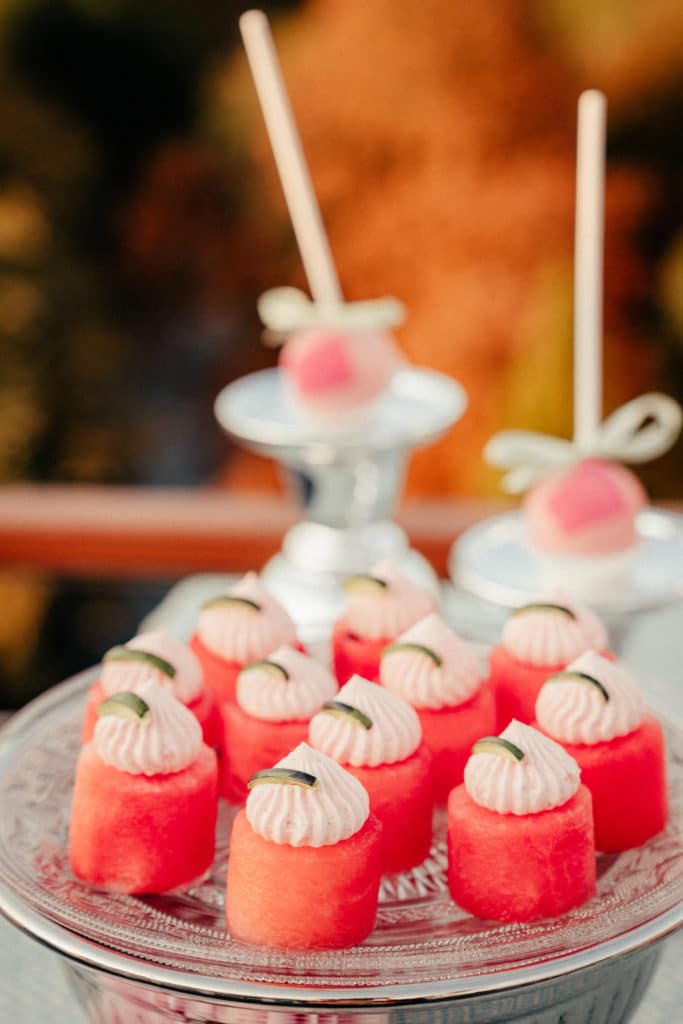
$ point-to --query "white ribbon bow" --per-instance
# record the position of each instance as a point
(623, 436)
(287, 309)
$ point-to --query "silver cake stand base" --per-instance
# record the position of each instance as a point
(347, 479)
(308, 573)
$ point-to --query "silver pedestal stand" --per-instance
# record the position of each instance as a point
(346, 478)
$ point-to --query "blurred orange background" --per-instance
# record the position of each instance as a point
(140, 217)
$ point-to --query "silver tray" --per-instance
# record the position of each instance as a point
(423, 948)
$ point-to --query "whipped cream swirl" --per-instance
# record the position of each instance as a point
(394, 734)
(264, 693)
(167, 740)
(241, 633)
(546, 777)
(540, 634)
(335, 809)
(416, 677)
(384, 612)
(186, 684)
(576, 711)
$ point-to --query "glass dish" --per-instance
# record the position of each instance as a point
(423, 944)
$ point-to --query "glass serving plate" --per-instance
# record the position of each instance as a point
(422, 944)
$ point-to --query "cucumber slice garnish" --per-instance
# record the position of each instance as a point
(419, 648)
(347, 712)
(245, 602)
(580, 677)
(544, 606)
(499, 746)
(132, 654)
(285, 776)
(364, 582)
(124, 705)
(271, 667)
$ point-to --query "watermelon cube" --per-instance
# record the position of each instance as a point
(303, 897)
(510, 867)
(449, 734)
(356, 655)
(140, 833)
(401, 797)
(220, 675)
(251, 744)
(627, 780)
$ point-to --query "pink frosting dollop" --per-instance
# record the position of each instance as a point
(415, 677)
(387, 611)
(575, 711)
(335, 809)
(168, 739)
(264, 694)
(186, 684)
(545, 636)
(394, 734)
(546, 777)
(241, 633)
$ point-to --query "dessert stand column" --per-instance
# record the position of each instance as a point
(347, 485)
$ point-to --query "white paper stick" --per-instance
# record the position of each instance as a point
(289, 158)
(588, 258)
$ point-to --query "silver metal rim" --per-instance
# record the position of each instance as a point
(72, 946)
(69, 945)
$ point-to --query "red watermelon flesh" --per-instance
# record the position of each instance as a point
(138, 833)
(516, 685)
(627, 779)
(401, 797)
(509, 867)
(449, 734)
(356, 655)
(250, 744)
(303, 897)
(203, 707)
(220, 674)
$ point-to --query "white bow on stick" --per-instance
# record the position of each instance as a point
(287, 309)
(639, 431)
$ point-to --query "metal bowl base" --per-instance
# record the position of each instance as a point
(605, 994)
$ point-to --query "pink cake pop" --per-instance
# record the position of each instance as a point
(588, 509)
(337, 358)
(582, 503)
(332, 372)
